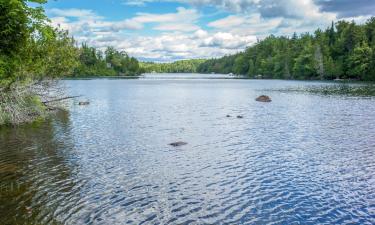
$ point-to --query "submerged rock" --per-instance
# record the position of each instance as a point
(263, 98)
(228, 116)
(178, 143)
(84, 103)
(239, 117)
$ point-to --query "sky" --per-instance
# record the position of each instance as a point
(170, 30)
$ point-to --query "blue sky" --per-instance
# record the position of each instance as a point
(169, 30)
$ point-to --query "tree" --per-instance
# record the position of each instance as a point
(240, 66)
(252, 69)
(32, 54)
(318, 62)
(30, 48)
(361, 61)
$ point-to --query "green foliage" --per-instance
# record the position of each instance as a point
(344, 50)
(17, 21)
(30, 49)
(183, 66)
(360, 61)
(240, 66)
(304, 63)
(30, 52)
(93, 62)
(222, 65)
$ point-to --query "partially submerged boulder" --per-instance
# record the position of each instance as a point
(178, 143)
(84, 103)
(263, 98)
(239, 117)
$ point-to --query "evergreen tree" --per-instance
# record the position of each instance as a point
(344, 50)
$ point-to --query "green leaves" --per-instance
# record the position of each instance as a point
(360, 61)
(29, 47)
(92, 63)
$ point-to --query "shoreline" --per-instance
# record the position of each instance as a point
(236, 77)
(100, 77)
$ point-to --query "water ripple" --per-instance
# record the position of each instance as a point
(305, 158)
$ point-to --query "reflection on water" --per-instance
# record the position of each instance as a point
(35, 173)
(344, 89)
(184, 76)
(304, 158)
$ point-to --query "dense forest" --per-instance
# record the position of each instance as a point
(345, 50)
(183, 66)
(93, 62)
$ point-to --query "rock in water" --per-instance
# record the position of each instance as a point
(228, 116)
(263, 98)
(84, 103)
(239, 117)
(178, 143)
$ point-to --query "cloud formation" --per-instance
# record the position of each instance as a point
(189, 33)
(181, 37)
(347, 8)
(175, 46)
(281, 8)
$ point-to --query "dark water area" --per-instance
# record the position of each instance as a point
(308, 157)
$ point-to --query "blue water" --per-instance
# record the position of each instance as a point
(304, 158)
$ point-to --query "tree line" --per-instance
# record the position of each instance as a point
(182, 66)
(345, 50)
(93, 62)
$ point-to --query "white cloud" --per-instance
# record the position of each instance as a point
(137, 2)
(182, 39)
(228, 41)
(82, 22)
(183, 20)
(174, 46)
(182, 14)
(255, 24)
(179, 35)
(267, 8)
(78, 13)
(200, 34)
(230, 21)
(246, 25)
(78, 21)
(177, 27)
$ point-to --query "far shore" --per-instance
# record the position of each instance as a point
(239, 77)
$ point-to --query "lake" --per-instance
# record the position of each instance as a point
(308, 157)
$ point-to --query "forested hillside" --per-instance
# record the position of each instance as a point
(344, 50)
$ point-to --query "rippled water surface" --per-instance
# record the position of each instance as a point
(304, 158)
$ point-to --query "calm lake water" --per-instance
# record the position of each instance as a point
(308, 157)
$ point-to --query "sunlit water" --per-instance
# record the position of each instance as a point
(308, 157)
